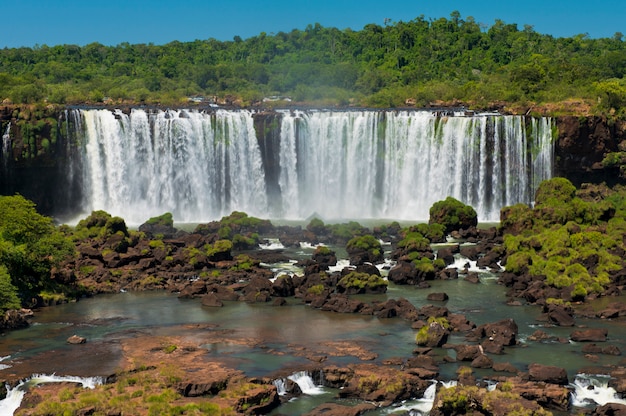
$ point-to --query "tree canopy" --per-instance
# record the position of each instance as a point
(418, 62)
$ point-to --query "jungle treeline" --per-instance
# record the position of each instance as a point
(419, 62)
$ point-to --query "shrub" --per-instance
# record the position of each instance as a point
(453, 215)
(165, 220)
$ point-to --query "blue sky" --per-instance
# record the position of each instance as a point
(111, 22)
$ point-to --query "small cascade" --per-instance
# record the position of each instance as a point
(591, 390)
(304, 380)
(281, 389)
(14, 397)
(272, 244)
(417, 407)
(4, 366)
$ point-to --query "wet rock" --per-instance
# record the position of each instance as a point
(560, 315)
(434, 336)
(467, 352)
(211, 300)
(609, 409)
(472, 277)
(15, 319)
(589, 335)
(334, 409)
(446, 254)
(482, 361)
(503, 332)
(437, 297)
(597, 349)
(75, 340)
(505, 367)
(547, 374)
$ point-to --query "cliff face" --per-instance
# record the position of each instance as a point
(581, 145)
(39, 156)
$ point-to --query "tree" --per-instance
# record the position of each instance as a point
(30, 245)
(8, 292)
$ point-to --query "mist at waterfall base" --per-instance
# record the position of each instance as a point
(336, 165)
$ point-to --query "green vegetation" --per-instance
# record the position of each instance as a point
(418, 62)
(571, 244)
(453, 215)
(165, 220)
(141, 391)
(357, 282)
(422, 335)
(367, 243)
(464, 399)
(30, 246)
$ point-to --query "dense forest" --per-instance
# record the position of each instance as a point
(417, 63)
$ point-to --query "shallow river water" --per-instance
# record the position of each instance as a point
(106, 319)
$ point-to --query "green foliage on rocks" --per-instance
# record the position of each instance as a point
(453, 215)
(164, 220)
(358, 282)
(367, 243)
(571, 243)
(100, 224)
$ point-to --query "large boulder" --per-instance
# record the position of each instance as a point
(589, 335)
(547, 374)
(453, 215)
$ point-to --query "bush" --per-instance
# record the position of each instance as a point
(453, 215)
(164, 220)
(357, 282)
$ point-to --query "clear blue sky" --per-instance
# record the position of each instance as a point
(111, 22)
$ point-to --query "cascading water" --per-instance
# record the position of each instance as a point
(306, 384)
(14, 396)
(591, 390)
(336, 165)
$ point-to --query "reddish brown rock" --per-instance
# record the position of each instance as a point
(547, 374)
(589, 335)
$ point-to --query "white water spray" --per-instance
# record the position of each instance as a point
(14, 397)
(335, 165)
(593, 390)
(305, 382)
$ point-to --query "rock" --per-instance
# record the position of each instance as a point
(609, 409)
(472, 277)
(560, 315)
(211, 299)
(404, 273)
(539, 335)
(75, 340)
(548, 374)
(434, 336)
(482, 361)
(502, 332)
(446, 254)
(15, 319)
(505, 368)
(589, 335)
(467, 352)
(334, 409)
(437, 296)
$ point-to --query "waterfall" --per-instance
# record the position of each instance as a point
(14, 397)
(306, 384)
(337, 165)
(5, 151)
(593, 390)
